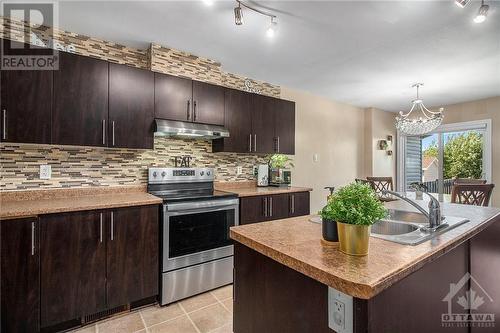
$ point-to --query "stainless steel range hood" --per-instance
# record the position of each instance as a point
(181, 129)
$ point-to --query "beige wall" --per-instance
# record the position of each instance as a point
(335, 132)
(477, 110)
(378, 125)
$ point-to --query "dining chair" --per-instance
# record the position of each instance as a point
(381, 183)
(363, 181)
(472, 194)
(469, 181)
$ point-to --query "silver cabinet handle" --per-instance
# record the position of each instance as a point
(194, 111)
(278, 144)
(100, 228)
(265, 206)
(112, 226)
(255, 142)
(32, 238)
(188, 107)
(293, 204)
(113, 131)
(271, 206)
(4, 124)
(250, 142)
(104, 132)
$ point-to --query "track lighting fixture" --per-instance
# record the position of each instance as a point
(482, 13)
(238, 17)
(461, 3)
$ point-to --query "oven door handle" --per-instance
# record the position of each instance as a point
(202, 206)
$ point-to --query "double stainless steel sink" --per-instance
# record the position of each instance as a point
(411, 228)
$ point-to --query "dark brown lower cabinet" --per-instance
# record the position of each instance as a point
(20, 275)
(273, 207)
(132, 255)
(73, 266)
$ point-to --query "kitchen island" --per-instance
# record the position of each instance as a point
(287, 280)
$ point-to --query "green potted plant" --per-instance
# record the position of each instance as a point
(328, 223)
(355, 208)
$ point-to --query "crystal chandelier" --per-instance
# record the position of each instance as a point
(415, 124)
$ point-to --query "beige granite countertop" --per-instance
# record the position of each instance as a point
(16, 204)
(250, 189)
(296, 243)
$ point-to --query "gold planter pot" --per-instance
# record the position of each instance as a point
(354, 239)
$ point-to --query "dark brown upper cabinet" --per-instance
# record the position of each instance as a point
(73, 266)
(173, 97)
(208, 103)
(80, 113)
(263, 122)
(20, 283)
(238, 120)
(284, 127)
(132, 255)
(131, 107)
(26, 103)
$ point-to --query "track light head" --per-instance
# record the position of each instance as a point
(238, 15)
(462, 3)
(271, 30)
(482, 13)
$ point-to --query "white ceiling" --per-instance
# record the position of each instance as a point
(366, 53)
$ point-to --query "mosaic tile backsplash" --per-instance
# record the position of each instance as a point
(85, 166)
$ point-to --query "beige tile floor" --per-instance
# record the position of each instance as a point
(211, 312)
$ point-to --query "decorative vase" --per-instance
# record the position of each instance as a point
(354, 239)
(329, 228)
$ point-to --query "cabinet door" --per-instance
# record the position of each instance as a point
(299, 203)
(263, 124)
(278, 206)
(20, 283)
(173, 97)
(73, 266)
(26, 103)
(208, 103)
(80, 101)
(254, 209)
(131, 107)
(285, 127)
(238, 120)
(132, 255)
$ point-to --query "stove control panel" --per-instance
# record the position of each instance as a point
(177, 175)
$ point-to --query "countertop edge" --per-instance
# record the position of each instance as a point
(354, 289)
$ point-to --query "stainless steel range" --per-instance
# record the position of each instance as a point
(197, 253)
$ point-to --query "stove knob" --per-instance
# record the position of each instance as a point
(202, 173)
(208, 173)
(163, 174)
(154, 174)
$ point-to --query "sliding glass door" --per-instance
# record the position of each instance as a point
(453, 151)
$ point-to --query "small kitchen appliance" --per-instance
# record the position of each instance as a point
(280, 177)
(263, 175)
(196, 251)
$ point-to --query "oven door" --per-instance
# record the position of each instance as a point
(198, 231)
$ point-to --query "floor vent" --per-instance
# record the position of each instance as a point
(104, 314)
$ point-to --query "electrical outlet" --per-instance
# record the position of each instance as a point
(255, 170)
(45, 171)
(340, 311)
(239, 170)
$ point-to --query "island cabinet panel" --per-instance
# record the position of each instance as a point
(20, 269)
(80, 101)
(73, 266)
(273, 207)
(131, 107)
(263, 122)
(485, 268)
(299, 203)
(208, 103)
(173, 97)
(269, 297)
(132, 255)
(284, 127)
(424, 290)
(238, 120)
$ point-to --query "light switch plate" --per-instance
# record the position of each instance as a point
(340, 311)
(315, 157)
(239, 170)
(45, 171)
